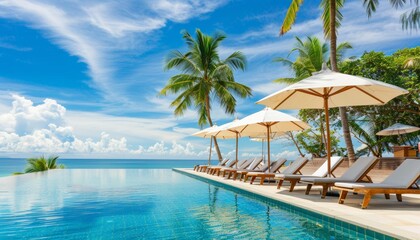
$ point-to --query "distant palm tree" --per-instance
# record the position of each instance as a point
(331, 18)
(312, 53)
(205, 78)
(40, 164)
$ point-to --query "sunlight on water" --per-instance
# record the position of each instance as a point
(143, 203)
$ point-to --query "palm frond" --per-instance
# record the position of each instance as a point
(341, 50)
(411, 20)
(236, 60)
(370, 6)
(51, 162)
(326, 15)
(286, 80)
(178, 83)
(284, 61)
(290, 17)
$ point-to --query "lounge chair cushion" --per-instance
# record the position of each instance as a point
(351, 175)
(363, 185)
(323, 170)
(401, 178)
(295, 165)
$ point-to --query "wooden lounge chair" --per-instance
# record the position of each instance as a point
(253, 164)
(244, 165)
(320, 173)
(399, 182)
(263, 168)
(356, 173)
(203, 168)
(229, 163)
(265, 175)
(216, 170)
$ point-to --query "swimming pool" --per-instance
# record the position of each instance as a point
(150, 204)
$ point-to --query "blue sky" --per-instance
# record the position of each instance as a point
(80, 78)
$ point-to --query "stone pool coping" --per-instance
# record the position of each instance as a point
(396, 219)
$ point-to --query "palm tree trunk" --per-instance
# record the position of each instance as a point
(216, 145)
(322, 130)
(333, 59)
(296, 143)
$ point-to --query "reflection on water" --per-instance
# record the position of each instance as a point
(145, 204)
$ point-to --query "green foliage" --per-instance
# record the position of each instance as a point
(368, 120)
(290, 17)
(205, 77)
(294, 7)
(409, 19)
(313, 140)
(312, 53)
(40, 164)
(325, 6)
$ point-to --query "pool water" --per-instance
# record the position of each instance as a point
(149, 204)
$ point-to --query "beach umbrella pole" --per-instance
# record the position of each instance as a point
(327, 122)
(268, 147)
(211, 143)
(262, 150)
(237, 149)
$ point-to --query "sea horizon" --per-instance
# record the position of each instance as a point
(8, 166)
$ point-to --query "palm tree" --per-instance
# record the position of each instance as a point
(409, 20)
(205, 78)
(332, 19)
(40, 164)
(312, 53)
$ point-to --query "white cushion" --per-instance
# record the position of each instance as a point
(323, 170)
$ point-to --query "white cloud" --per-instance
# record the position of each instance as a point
(46, 128)
(287, 154)
(378, 32)
(102, 33)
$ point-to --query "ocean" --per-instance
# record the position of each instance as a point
(11, 165)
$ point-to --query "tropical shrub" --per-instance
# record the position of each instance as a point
(40, 164)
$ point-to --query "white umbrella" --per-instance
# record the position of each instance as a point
(205, 133)
(225, 132)
(397, 129)
(327, 89)
(268, 120)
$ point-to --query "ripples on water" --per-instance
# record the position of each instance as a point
(143, 203)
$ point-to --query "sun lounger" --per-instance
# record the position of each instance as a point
(234, 172)
(263, 168)
(264, 175)
(320, 173)
(356, 173)
(229, 163)
(216, 170)
(244, 165)
(203, 168)
(399, 182)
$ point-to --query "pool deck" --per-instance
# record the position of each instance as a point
(397, 219)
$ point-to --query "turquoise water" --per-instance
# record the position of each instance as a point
(149, 204)
(11, 165)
